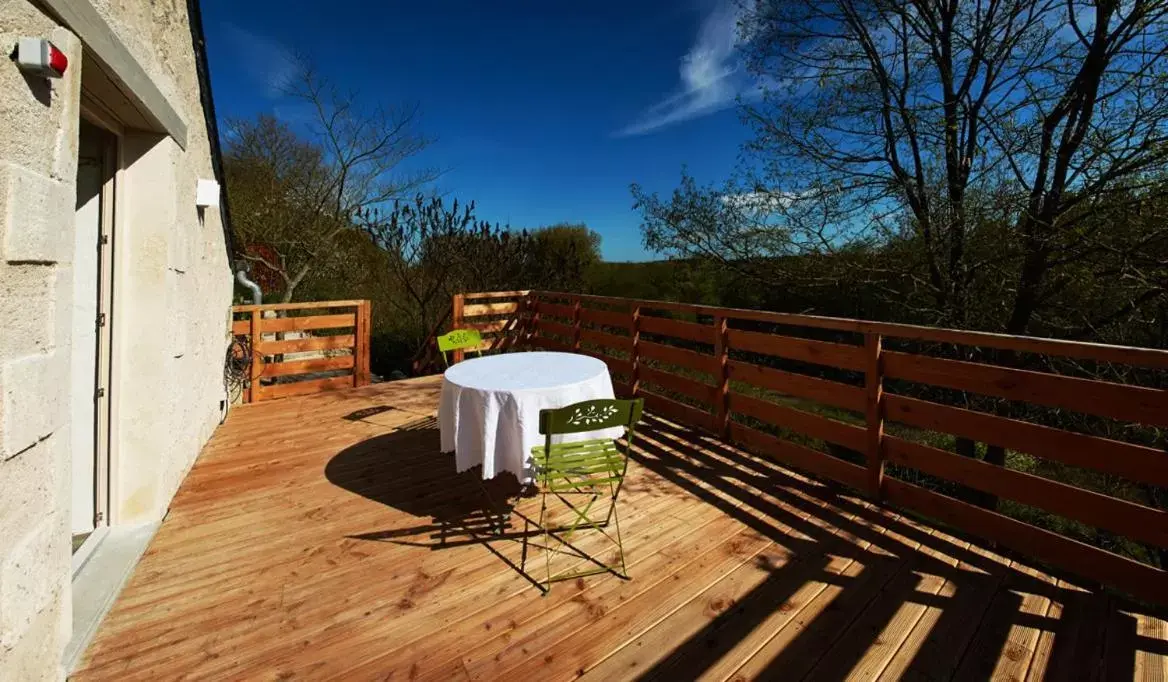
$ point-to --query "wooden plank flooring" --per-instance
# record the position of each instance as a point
(325, 537)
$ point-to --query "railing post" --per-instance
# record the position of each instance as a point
(456, 306)
(874, 383)
(533, 319)
(361, 346)
(722, 394)
(253, 376)
(635, 334)
(357, 332)
(513, 329)
(576, 324)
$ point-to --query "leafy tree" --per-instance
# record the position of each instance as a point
(433, 250)
(560, 257)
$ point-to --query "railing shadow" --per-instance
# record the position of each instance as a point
(974, 617)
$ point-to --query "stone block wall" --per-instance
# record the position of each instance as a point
(172, 286)
(38, 156)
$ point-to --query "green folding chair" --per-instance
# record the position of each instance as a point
(578, 475)
(459, 339)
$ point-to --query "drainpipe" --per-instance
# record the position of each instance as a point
(257, 296)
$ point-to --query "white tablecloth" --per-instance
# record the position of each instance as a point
(489, 411)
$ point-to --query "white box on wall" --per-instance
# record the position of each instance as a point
(207, 194)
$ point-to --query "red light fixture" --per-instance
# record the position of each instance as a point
(39, 57)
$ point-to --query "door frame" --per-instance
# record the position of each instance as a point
(93, 113)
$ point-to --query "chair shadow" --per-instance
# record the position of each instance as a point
(405, 470)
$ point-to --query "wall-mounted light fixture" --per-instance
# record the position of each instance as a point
(207, 194)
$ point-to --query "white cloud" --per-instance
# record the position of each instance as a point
(712, 76)
(267, 61)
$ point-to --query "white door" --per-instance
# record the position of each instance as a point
(94, 211)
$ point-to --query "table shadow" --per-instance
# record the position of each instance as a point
(441, 508)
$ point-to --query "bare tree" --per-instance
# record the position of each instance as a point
(295, 194)
(882, 122)
(979, 152)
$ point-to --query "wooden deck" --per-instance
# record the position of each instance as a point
(318, 537)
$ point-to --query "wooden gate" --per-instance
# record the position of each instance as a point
(301, 348)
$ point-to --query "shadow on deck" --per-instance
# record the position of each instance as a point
(327, 537)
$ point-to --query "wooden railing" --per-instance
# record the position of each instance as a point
(501, 317)
(301, 348)
(873, 393)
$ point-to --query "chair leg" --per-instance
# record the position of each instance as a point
(523, 551)
(547, 543)
(614, 491)
(581, 519)
(620, 547)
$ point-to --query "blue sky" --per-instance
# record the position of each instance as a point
(542, 111)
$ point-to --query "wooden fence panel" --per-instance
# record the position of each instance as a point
(1133, 577)
(606, 340)
(547, 326)
(808, 423)
(278, 367)
(556, 310)
(300, 324)
(799, 456)
(678, 412)
(283, 369)
(724, 395)
(1102, 511)
(1118, 401)
(494, 326)
(615, 365)
(689, 331)
(481, 309)
(607, 318)
(310, 343)
(548, 343)
(678, 356)
(820, 390)
(305, 387)
(1137, 462)
(690, 388)
(806, 350)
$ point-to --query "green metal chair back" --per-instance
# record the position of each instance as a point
(590, 415)
(583, 470)
(459, 339)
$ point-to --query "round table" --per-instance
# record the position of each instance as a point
(489, 410)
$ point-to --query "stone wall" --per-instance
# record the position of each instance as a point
(172, 296)
(38, 155)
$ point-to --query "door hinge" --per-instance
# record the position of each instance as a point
(98, 517)
(100, 393)
(104, 239)
(101, 319)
